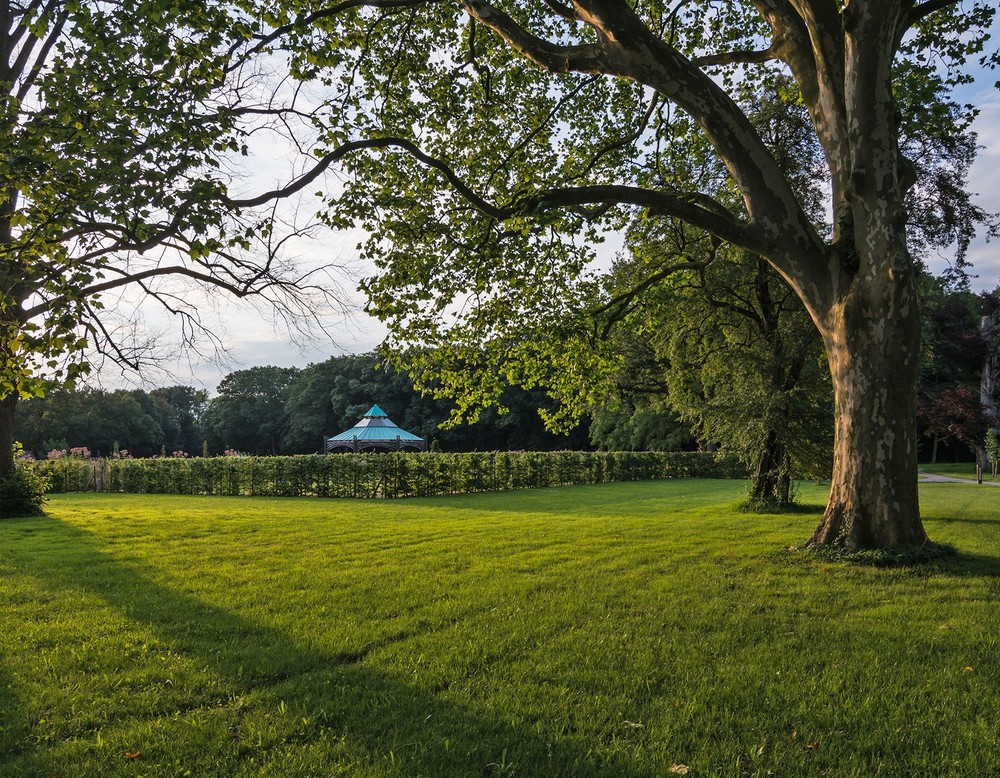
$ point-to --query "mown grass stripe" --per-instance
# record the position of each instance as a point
(602, 630)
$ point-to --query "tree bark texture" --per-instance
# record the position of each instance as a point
(8, 405)
(873, 343)
(771, 484)
(991, 366)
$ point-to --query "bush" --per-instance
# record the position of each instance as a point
(23, 493)
(379, 475)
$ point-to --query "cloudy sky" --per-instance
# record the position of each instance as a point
(985, 179)
(252, 338)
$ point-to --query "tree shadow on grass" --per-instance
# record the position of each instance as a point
(974, 565)
(14, 728)
(963, 562)
(963, 520)
(378, 718)
(929, 559)
(795, 509)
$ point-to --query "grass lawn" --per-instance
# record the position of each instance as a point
(957, 470)
(642, 629)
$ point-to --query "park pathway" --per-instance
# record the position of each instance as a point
(932, 478)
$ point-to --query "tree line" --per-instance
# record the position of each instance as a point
(269, 411)
(754, 386)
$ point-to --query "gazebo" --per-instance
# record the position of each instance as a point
(375, 430)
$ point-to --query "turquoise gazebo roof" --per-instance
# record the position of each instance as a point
(375, 430)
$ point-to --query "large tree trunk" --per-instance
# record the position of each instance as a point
(873, 344)
(7, 407)
(870, 324)
(771, 484)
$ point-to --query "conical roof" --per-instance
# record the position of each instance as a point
(375, 430)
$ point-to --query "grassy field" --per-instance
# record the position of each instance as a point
(644, 629)
(957, 470)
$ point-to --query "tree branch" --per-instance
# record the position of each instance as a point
(586, 58)
(696, 209)
(622, 303)
(24, 56)
(737, 57)
(565, 11)
(242, 289)
(922, 10)
(306, 21)
(625, 141)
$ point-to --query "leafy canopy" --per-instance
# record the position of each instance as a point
(487, 149)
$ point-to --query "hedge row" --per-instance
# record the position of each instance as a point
(378, 475)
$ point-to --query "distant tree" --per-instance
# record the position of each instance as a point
(310, 410)
(989, 334)
(953, 348)
(119, 126)
(635, 414)
(952, 356)
(248, 413)
(182, 410)
(738, 358)
(956, 415)
(992, 448)
(98, 420)
(331, 396)
(640, 424)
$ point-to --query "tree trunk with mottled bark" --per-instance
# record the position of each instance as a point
(8, 405)
(873, 344)
(771, 484)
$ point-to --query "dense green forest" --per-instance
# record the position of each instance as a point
(271, 410)
(275, 410)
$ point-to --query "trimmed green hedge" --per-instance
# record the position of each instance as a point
(378, 475)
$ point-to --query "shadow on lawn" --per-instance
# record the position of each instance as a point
(965, 520)
(14, 730)
(975, 564)
(383, 719)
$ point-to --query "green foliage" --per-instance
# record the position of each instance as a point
(638, 424)
(120, 123)
(109, 113)
(727, 347)
(993, 445)
(23, 493)
(331, 396)
(302, 407)
(387, 475)
(952, 352)
(248, 414)
(465, 178)
(141, 423)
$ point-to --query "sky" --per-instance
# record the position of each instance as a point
(984, 180)
(252, 338)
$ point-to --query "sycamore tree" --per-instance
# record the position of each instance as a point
(123, 123)
(487, 146)
(742, 363)
(736, 352)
